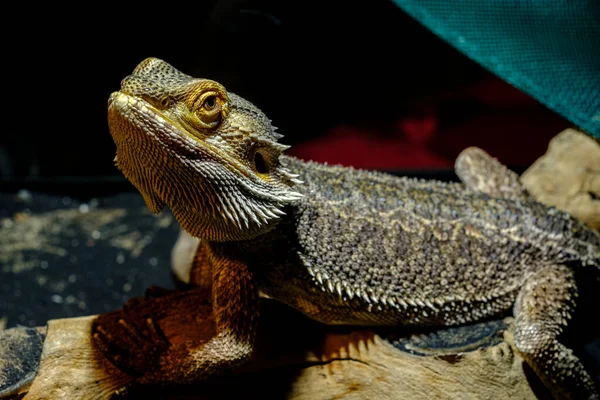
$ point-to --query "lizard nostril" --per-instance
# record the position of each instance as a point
(164, 102)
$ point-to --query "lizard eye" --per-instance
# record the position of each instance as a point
(210, 103)
(209, 109)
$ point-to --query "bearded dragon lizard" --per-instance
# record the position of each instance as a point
(341, 245)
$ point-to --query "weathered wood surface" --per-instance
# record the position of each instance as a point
(568, 176)
(299, 359)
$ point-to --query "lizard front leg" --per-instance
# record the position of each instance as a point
(189, 358)
(198, 273)
(201, 270)
(542, 309)
(189, 262)
(235, 308)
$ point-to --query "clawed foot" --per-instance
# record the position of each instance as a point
(135, 338)
(133, 342)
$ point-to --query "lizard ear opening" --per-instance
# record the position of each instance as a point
(153, 202)
(260, 165)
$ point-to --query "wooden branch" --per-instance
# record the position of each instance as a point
(297, 358)
(568, 176)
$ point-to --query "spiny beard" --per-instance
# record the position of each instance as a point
(248, 204)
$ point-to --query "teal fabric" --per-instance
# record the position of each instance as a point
(549, 49)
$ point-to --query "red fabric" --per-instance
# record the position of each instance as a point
(492, 115)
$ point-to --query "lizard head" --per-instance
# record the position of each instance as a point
(208, 154)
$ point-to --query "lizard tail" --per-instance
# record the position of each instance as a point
(576, 241)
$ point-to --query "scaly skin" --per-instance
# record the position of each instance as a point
(343, 246)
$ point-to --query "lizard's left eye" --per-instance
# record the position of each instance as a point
(210, 103)
(209, 108)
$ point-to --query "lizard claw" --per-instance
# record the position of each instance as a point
(136, 338)
(132, 342)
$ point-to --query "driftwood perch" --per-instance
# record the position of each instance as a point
(302, 360)
(568, 176)
(299, 359)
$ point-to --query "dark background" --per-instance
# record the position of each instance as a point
(355, 83)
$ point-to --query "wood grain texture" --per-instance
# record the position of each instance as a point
(71, 367)
(297, 358)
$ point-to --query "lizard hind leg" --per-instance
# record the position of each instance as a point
(542, 309)
(483, 173)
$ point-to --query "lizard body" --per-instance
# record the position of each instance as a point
(343, 246)
(383, 250)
